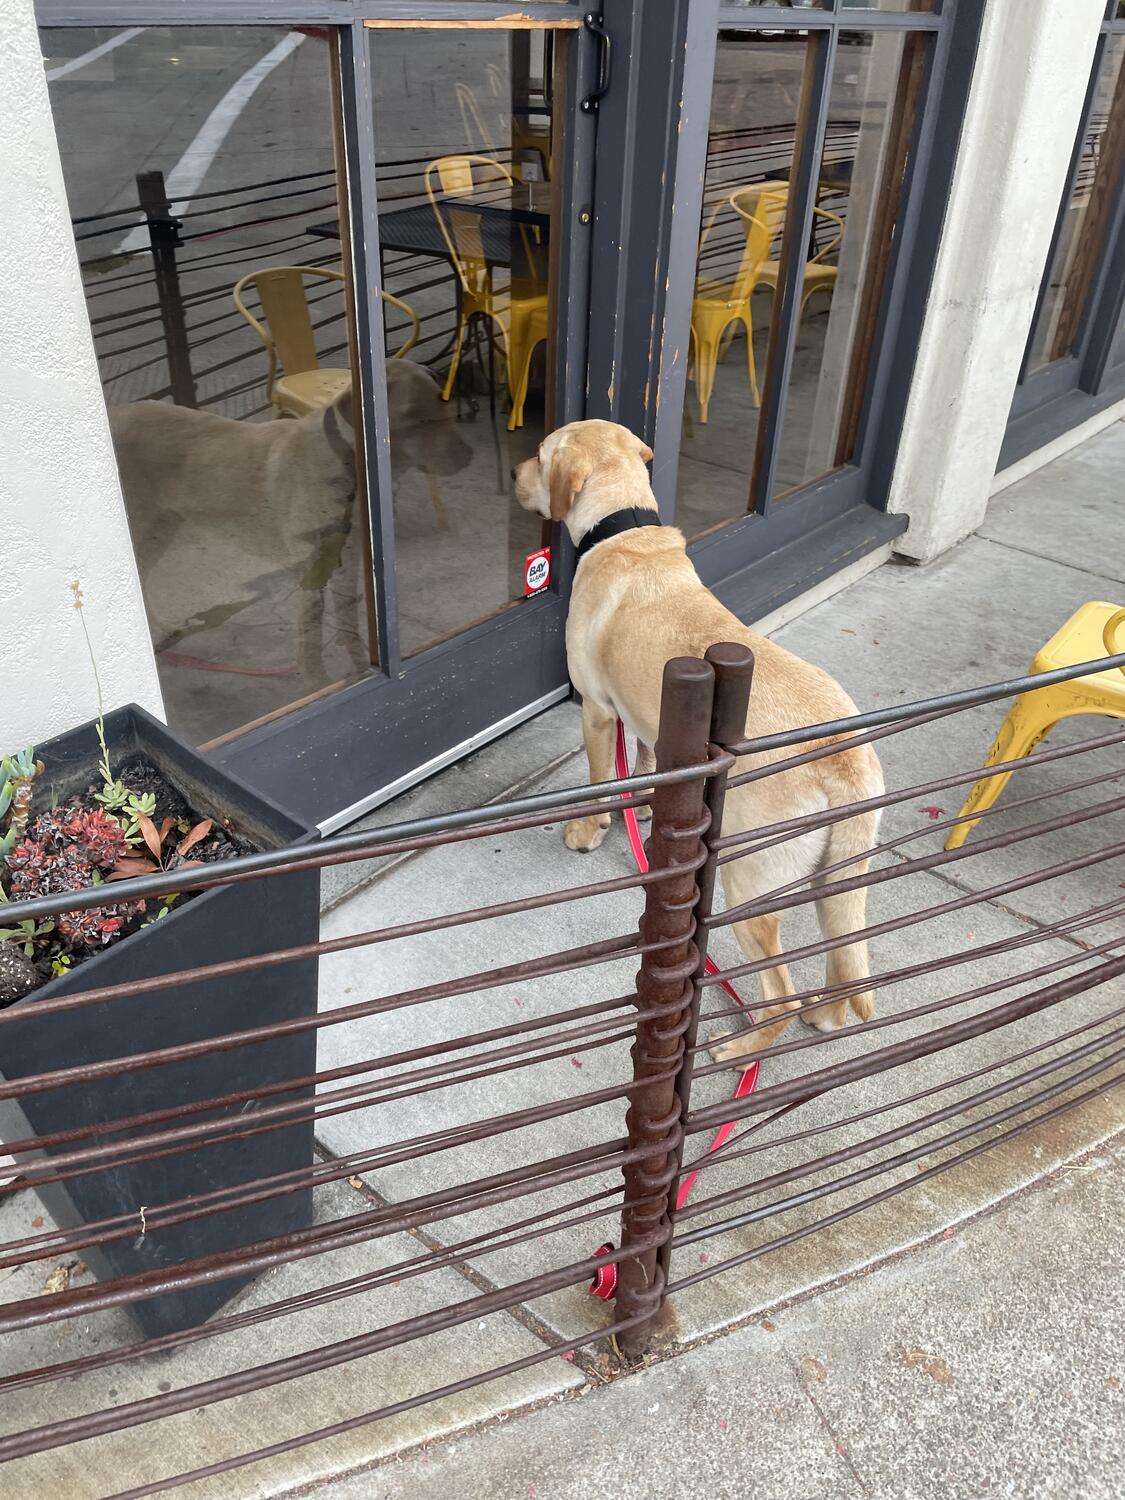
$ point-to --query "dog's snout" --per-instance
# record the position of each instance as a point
(512, 472)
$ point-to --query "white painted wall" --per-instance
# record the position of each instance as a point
(1023, 114)
(61, 512)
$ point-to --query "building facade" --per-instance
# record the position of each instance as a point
(288, 288)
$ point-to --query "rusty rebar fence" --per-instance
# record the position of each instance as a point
(490, 1138)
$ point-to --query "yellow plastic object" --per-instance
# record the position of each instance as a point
(287, 335)
(1097, 629)
(520, 313)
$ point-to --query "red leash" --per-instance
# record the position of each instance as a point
(604, 1283)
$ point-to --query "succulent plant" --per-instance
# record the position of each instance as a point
(24, 933)
(81, 835)
(116, 798)
(17, 773)
(71, 848)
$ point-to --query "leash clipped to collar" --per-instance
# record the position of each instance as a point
(614, 524)
(604, 1284)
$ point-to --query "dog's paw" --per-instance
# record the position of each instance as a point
(732, 1047)
(644, 812)
(832, 1016)
(586, 834)
(863, 1006)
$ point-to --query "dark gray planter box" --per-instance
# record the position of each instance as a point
(220, 924)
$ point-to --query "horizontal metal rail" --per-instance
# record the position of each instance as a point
(567, 1159)
(513, 815)
(880, 717)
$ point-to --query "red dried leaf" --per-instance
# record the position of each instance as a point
(130, 866)
(933, 812)
(164, 827)
(189, 840)
(151, 834)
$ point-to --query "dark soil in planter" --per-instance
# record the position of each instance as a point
(141, 777)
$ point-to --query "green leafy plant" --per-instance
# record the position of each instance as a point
(120, 801)
(24, 933)
(17, 775)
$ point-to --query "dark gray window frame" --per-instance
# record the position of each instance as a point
(648, 223)
(1069, 391)
(626, 360)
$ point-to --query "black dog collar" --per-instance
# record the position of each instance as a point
(614, 524)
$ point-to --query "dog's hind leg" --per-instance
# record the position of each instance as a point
(760, 937)
(599, 732)
(645, 762)
(839, 914)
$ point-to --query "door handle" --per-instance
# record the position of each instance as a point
(595, 25)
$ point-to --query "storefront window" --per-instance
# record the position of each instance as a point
(871, 108)
(1071, 270)
(751, 145)
(899, 6)
(754, 138)
(464, 137)
(198, 163)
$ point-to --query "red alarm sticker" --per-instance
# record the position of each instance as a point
(536, 571)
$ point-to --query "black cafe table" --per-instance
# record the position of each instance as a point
(416, 230)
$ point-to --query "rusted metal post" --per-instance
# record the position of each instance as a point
(664, 980)
(164, 236)
(734, 671)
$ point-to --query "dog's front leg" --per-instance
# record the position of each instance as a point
(599, 732)
(644, 763)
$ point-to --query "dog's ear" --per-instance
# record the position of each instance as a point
(570, 470)
(645, 451)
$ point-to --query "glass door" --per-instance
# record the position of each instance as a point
(464, 141)
(799, 249)
(467, 159)
(1073, 364)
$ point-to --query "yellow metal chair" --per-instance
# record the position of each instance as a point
(289, 341)
(520, 313)
(1097, 629)
(719, 302)
(819, 275)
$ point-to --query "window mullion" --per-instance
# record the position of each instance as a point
(815, 100)
(359, 147)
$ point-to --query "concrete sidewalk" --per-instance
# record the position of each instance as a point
(1049, 544)
(988, 1362)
